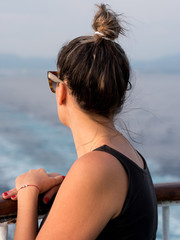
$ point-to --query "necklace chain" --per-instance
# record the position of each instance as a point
(102, 136)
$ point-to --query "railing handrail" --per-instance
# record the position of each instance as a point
(8, 209)
(165, 192)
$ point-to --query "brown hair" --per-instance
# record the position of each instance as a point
(96, 67)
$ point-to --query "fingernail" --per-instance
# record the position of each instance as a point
(5, 194)
(63, 177)
(46, 200)
(13, 196)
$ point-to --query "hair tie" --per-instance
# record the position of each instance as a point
(103, 36)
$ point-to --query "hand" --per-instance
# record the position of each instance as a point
(12, 193)
(49, 194)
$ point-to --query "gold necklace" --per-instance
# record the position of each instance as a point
(102, 136)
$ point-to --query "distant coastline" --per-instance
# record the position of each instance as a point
(11, 62)
(167, 65)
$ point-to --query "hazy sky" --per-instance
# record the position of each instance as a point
(40, 27)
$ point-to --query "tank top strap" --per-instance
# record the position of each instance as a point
(124, 160)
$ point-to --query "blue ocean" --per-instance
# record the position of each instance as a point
(32, 137)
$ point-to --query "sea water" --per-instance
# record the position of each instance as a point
(27, 140)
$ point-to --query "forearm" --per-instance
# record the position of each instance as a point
(27, 216)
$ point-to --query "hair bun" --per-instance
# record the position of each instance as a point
(106, 22)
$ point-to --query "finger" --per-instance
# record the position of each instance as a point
(48, 196)
(57, 180)
(54, 174)
(54, 181)
(8, 194)
(14, 197)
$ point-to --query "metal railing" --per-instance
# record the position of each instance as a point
(167, 194)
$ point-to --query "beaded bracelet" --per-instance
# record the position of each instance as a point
(28, 185)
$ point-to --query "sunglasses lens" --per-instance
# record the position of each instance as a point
(52, 77)
(54, 84)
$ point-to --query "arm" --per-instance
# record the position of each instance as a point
(88, 198)
(27, 217)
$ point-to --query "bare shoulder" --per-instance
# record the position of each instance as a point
(102, 172)
(98, 165)
(98, 177)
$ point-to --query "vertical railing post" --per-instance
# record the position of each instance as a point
(3, 231)
(165, 222)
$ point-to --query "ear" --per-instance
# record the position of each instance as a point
(61, 93)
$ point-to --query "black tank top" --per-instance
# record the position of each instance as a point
(138, 217)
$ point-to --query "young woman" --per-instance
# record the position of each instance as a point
(108, 192)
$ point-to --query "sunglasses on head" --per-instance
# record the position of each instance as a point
(53, 80)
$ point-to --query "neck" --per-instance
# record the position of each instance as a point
(89, 133)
